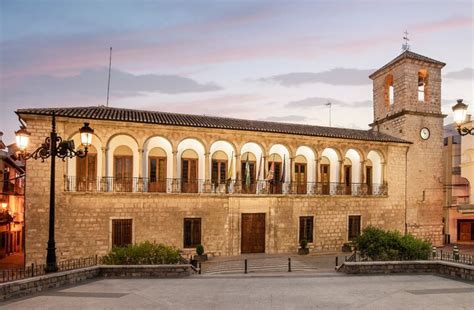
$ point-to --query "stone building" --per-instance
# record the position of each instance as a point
(11, 208)
(459, 202)
(242, 186)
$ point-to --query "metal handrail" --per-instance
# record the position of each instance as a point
(253, 187)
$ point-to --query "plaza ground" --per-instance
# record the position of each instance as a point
(270, 291)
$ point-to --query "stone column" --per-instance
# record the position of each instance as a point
(206, 166)
(141, 163)
(292, 169)
(238, 167)
(175, 176)
(363, 186)
(140, 183)
(104, 161)
(341, 171)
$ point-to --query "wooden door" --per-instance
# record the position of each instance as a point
(300, 178)
(276, 183)
(157, 175)
(86, 173)
(368, 178)
(123, 173)
(325, 179)
(253, 233)
(348, 179)
(189, 173)
(248, 186)
(219, 172)
(465, 231)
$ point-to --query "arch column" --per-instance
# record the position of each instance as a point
(238, 166)
(341, 171)
(104, 160)
(292, 169)
(141, 173)
(207, 167)
(363, 186)
(175, 165)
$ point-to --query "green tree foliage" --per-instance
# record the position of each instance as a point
(380, 245)
(145, 253)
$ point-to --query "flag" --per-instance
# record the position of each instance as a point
(271, 172)
(282, 175)
(247, 172)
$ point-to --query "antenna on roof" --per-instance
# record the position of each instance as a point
(329, 104)
(108, 85)
(406, 46)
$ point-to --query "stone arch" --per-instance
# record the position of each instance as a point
(281, 151)
(196, 146)
(158, 142)
(333, 157)
(257, 150)
(229, 150)
(97, 144)
(122, 140)
(310, 157)
(377, 170)
(355, 158)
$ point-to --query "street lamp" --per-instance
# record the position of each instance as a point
(53, 146)
(460, 114)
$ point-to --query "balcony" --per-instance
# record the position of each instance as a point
(232, 187)
(13, 187)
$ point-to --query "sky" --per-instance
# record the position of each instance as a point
(264, 60)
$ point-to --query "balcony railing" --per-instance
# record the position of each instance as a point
(13, 186)
(235, 187)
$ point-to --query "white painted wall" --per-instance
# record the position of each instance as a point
(376, 160)
(281, 150)
(331, 154)
(354, 156)
(71, 162)
(228, 149)
(115, 142)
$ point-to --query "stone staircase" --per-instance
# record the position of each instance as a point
(236, 265)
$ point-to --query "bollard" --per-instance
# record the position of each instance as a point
(245, 265)
(434, 252)
(32, 269)
(199, 268)
(337, 259)
(441, 255)
(456, 253)
(289, 264)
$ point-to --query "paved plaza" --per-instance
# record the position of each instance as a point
(271, 291)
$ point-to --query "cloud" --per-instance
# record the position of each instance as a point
(464, 74)
(322, 101)
(92, 83)
(288, 118)
(336, 76)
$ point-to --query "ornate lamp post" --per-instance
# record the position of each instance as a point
(53, 146)
(459, 115)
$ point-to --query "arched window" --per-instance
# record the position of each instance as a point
(123, 169)
(86, 171)
(422, 85)
(249, 173)
(157, 170)
(301, 174)
(389, 91)
(189, 171)
(219, 168)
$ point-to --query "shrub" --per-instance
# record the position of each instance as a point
(304, 243)
(377, 244)
(145, 253)
(200, 249)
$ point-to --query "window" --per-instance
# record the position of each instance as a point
(306, 228)
(219, 171)
(121, 232)
(354, 227)
(192, 232)
(389, 91)
(422, 85)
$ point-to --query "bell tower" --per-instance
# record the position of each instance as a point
(407, 105)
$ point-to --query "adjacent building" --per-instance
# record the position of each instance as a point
(11, 207)
(459, 201)
(242, 186)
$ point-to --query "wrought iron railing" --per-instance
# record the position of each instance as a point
(453, 256)
(261, 187)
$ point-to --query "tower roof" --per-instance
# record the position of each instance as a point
(408, 55)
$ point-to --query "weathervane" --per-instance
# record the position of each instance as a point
(406, 46)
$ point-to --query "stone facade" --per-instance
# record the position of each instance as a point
(405, 118)
(83, 219)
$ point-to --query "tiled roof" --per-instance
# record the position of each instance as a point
(164, 118)
(408, 55)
